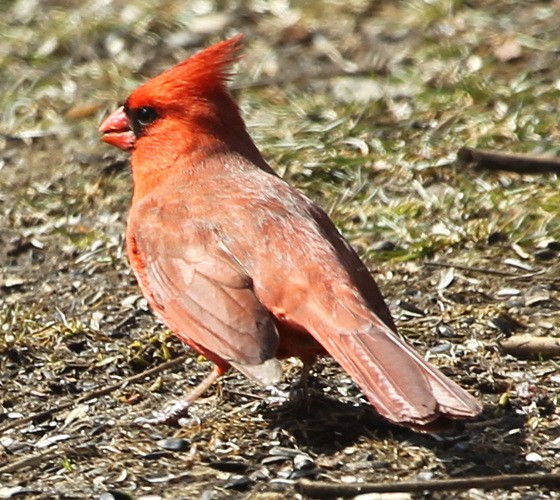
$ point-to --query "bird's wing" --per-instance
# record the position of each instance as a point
(203, 293)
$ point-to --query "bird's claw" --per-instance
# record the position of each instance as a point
(171, 416)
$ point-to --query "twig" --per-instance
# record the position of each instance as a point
(95, 393)
(494, 160)
(529, 345)
(315, 489)
(246, 394)
(239, 409)
(68, 448)
(28, 461)
(483, 270)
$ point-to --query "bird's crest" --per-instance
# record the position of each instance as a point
(202, 74)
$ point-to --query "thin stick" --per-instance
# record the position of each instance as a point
(522, 164)
(103, 391)
(317, 489)
(29, 461)
(483, 270)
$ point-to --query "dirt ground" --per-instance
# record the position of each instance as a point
(362, 105)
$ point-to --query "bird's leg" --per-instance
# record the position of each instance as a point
(181, 408)
(306, 370)
(298, 391)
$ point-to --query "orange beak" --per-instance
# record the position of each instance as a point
(117, 132)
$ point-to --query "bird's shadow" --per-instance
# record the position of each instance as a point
(324, 424)
(488, 446)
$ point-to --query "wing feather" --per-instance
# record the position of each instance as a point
(203, 294)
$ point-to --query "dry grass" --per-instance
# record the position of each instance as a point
(363, 107)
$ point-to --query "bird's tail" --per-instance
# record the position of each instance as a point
(402, 386)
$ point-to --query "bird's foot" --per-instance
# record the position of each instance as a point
(176, 413)
(171, 416)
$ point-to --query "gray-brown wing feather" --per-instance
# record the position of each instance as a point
(203, 294)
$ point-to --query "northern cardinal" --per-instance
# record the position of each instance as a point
(243, 267)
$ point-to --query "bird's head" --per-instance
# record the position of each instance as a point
(180, 110)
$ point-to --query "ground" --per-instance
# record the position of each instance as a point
(362, 105)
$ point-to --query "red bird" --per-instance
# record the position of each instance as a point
(244, 268)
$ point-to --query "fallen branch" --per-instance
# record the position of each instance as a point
(529, 346)
(316, 489)
(103, 391)
(521, 164)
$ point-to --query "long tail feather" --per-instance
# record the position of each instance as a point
(401, 385)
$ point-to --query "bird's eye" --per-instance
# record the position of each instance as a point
(140, 118)
(146, 115)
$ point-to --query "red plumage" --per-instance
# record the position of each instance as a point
(244, 268)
